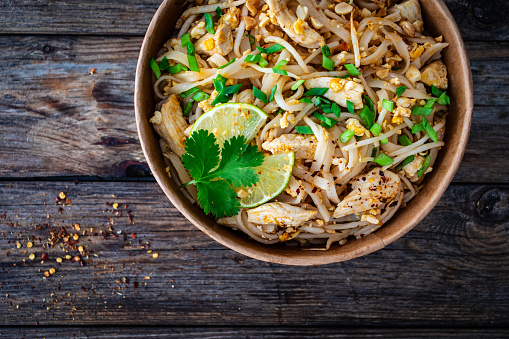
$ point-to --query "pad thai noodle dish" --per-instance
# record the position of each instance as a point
(300, 121)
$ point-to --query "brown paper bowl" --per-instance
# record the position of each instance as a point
(438, 21)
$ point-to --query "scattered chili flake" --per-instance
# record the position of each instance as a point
(80, 249)
(76, 237)
(135, 284)
(133, 235)
(18, 244)
(46, 274)
(77, 258)
(147, 278)
(44, 256)
(61, 195)
(92, 71)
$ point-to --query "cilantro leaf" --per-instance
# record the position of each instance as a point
(202, 153)
(218, 197)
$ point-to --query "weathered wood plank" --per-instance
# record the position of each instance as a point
(58, 120)
(478, 20)
(451, 270)
(250, 332)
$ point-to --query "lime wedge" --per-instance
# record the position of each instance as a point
(232, 119)
(274, 174)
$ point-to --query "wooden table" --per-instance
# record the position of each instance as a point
(65, 130)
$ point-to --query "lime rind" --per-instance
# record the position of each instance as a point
(274, 175)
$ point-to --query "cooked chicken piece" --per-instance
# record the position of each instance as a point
(252, 6)
(198, 31)
(279, 213)
(170, 124)
(435, 74)
(231, 17)
(369, 190)
(304, 146)
(298, 30)
(410, 10)
(246, 96)
(341, 90)
(221, 42)
(405, 102)
(250, 22)
(410, 170)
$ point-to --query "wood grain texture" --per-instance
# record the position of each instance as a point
(58, 120)
(251, 332)
(477, 19)
(451, 270)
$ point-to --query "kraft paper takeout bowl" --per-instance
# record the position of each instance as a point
(438, 21)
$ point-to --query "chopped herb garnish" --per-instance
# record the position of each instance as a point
(405, 162)
(155, 68)
(418, 110)
(279, 71)
(189, 92)
(218, 85)
(221, 78)
(209, 24)
(251, 39)
(164, 64)
(444, 99)
(430, 103)
(279, 111)
(187, 109)
(429, 129)
(260, 95)
(216, 171)
(350, 107)
(400, 90)
(424, 166)
(383, 160)
(352, 69)
(374, 151)
(272, 93)
(306, 100)
(321, 101)
(281, 64)
(376, 129)
(327, 62)
(347, 75)
(262, 62)
(252, 58)
(272, 49)
(403, 140)
(303, 129)
(225, 93)
(346, 135)
(191, 58)
(219, 12)
(335, 109)
(327, 122)
(388, 105)
(367, 113)
(316, 91)
(436, 92)
(185, 39)
(418, 127)
(384, 141)
(177, 68)
(296, 85)
(231, 89)
(326, 108)
(200, 96)
(227, 64)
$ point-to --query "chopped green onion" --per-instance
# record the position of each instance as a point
(376, 129)
(374, 151)
(367, 117)
(221, 78)
(200, 96)
(189, 92)
(155, 68)
(164, 64)
(297, 84)
(281, 64)
(272, 93)
(260, 95)
(252, 58)
(262, 62)
(384, 141)
(209, 24)
(306, 100)
(346, 135)
(279, 71)
(272, 49)
(347, 75)
(418, 110)
(436, 92)
(358, 137)
(370, 104)
(251, 39)
(403, 140)
(430, 103)
(225, 93)
(231, 89)
(327, 122)
(406, 162)
(429, 129)
(424, 166)
(417, 128)
(316, 91)
(279, 111)
(400, 90)
(335, 109)
(303, 129)
(218, 85)
(219, 12)
(177, 68)
(352, 69)
(444, 99)
(220, 99)
(321, 101)
(227, 64)
(326, 108)
(350, 107)
(187, 109)
(185, 39)
(383, 160)
(388, 105)
(191, 58)
(327, 62)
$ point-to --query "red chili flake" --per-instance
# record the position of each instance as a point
(134, 236)
(135, 284)
(44, 256)
(343, 47)
(92, 71)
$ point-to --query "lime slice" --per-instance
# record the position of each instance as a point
(274, 175)
(232, 119)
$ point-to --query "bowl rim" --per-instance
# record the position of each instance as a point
(373, 241)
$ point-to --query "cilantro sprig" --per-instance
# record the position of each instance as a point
(217, 172)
